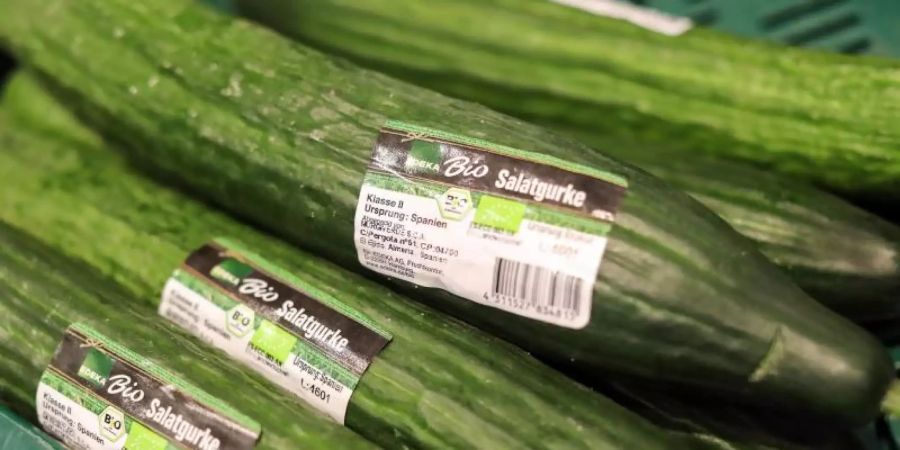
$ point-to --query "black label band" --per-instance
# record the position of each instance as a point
(409, 155)
(159, 405)
(343, 339)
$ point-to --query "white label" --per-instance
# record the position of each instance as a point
(75, 425)
(541, 271)
(231, 332)
(646, 18)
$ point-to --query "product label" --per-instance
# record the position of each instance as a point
(98, 395)
(517, 231)
(295, 335)
(643, 17)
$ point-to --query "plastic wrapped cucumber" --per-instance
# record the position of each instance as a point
(282, 135)
(437, 384)
(43, 293)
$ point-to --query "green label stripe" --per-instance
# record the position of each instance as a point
(206, 290)
(303, 286)
(97, 405)
(543, 214)
(508, 151)
(322, 362)
(124, 354)
(311, 354)
(79, 395)
(419, 188)
(74, 392)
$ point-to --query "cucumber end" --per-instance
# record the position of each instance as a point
(891, 403)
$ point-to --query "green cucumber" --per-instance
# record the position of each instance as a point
(821, 117)
(710, 427)
(43, 293)
(843, 256)
(282, 136)
(438, 384)
(743, 428)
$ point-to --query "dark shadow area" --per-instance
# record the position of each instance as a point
(6, 66)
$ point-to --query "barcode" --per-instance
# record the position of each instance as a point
(537, 286)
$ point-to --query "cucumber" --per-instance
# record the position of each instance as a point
(281, 137)
(438, 384)
(742, 427)
(821, 117)
(62, 139)
(843, 256)
(43, 293)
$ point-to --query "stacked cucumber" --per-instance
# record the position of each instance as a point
(822, 117)
(136, 128)
(677, 125)
(435, 373)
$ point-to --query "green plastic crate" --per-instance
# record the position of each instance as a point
(18, 434)
(847, 26)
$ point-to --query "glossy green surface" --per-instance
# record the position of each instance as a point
(843, 256)
(823, 117)
(281, 136)
(438, 384)
(846, 258)
(745, 428)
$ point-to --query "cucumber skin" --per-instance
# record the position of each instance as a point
(707, 428)
(744, 428)
(816, 116)
(680, 298)
(43, 293)
(843, 256)
(846, 258)
(438, 384)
